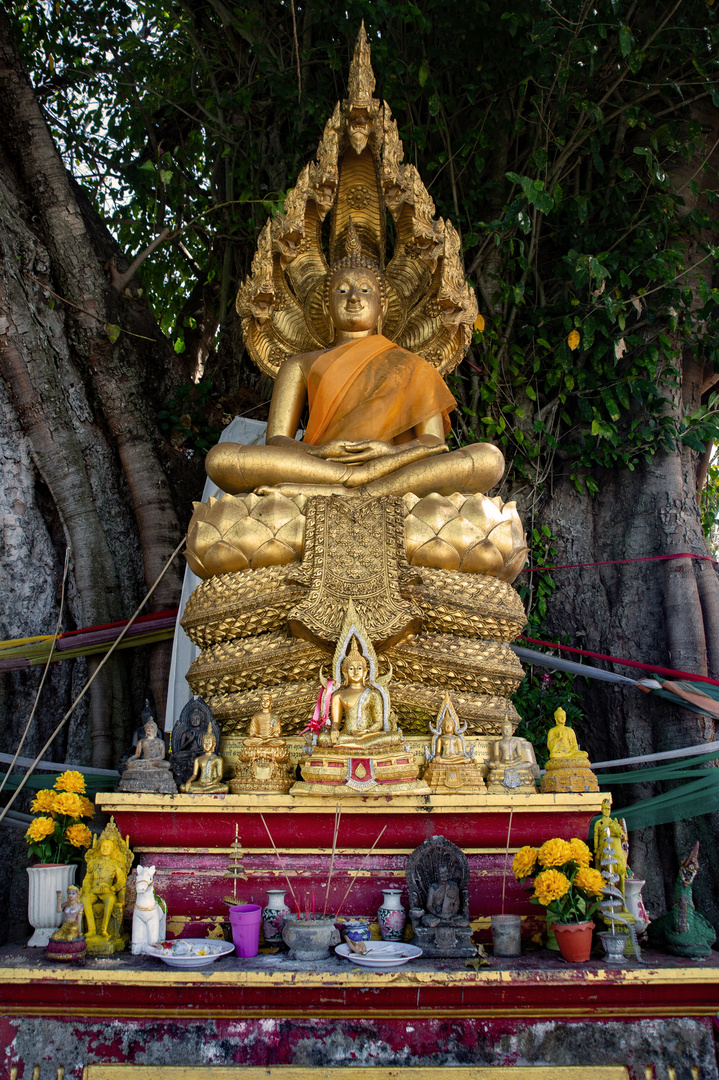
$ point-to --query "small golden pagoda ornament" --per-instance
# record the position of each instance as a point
(235, 870)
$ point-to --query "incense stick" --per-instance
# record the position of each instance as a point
(358, 872)
(338, 815)
(506, 855)
(289, 883)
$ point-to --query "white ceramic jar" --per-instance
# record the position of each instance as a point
(391, 916)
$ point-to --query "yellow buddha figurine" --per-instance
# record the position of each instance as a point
(513, 766)
(103, 891)
(451, 769)
(263, 760)
(567, 768)
(361, 748)
(206, 777)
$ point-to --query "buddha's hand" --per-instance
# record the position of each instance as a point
(352, 453)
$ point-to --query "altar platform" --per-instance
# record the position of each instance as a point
(655, 1021)
(188, 838)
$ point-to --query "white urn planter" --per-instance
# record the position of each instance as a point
(46, 880)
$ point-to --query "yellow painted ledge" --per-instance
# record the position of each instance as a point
(129, 802)
(351, 978)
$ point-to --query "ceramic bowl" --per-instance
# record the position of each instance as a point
(381, 955)
(189, 952)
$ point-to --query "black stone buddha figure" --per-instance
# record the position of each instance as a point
(437, 875)
(187, 736)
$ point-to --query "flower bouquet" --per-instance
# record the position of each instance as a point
(58, 834)
(568, 887)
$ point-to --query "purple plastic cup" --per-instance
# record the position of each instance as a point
(245, 923)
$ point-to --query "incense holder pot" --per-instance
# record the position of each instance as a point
(309, 939)
(273, 916)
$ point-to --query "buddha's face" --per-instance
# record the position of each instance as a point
(266, 702)
(356, 672)
(448, 725)
(208, 743)
(506, 729)
(560, 717)
(355, 301)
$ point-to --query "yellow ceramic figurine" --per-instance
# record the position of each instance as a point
(103, 891)
(263, 760)
(513, 766)
(361, 748)
(567, 768)
(206, 777)
(450, 768)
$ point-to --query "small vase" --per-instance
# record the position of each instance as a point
(391, 916)
(574, 940)
(273, 916)
(635, 905)
(46, 880)
(507, 935)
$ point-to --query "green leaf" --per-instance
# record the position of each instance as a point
(531, 394)
(113, 331)
(165, 176)
(626, 40)
(423, 72)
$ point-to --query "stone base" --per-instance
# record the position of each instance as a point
(571, 778)
(162, 783)
(447, 778)
(452, 942)
(97, 945)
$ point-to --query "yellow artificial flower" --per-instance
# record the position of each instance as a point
(549, 886)
(573, 340)
(524, 862)
(88, 808)
(580, 852)
(71, 781)
(78, 835)
(44, 802)
(67, 802)
(479, 324)
(555, 852)
(39, 829)
(589, 880)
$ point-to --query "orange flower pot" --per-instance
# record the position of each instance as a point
(574, 940)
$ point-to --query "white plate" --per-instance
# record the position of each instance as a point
(380, 955)
(190, 952)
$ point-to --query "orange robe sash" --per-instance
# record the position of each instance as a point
(372, 389)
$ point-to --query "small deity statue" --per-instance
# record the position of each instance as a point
(609, 839)
(437, 875)
(72, 913)
(451, 769)
(567, 767)
(147, 713)
(683, 931)
(361, 747)
(187, 736)
(513, 766)
(264, 729)
(206, 776)
(68, 941)
(263, 761)
(103, 891)
(147, 769)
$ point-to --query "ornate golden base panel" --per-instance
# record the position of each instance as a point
(457, 664)
(258, 661)
(236, 605)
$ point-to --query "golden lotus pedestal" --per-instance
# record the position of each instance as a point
(574, 776)
(451, 778)
(333, 773)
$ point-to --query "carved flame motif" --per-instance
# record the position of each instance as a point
(359, 174)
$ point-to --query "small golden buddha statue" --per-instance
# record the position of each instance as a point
(263, 761)
(361, 748)
(450, 768)
(567, 768)
(513, 766)
(206, 777)
(103, 891)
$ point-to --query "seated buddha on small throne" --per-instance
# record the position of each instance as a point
(360, 748)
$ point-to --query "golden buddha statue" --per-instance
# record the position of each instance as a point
(361, 748)
(567, 768)
(263, 760)
(450, 768)
(513, 766)
(103, 891)
(206, 776)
